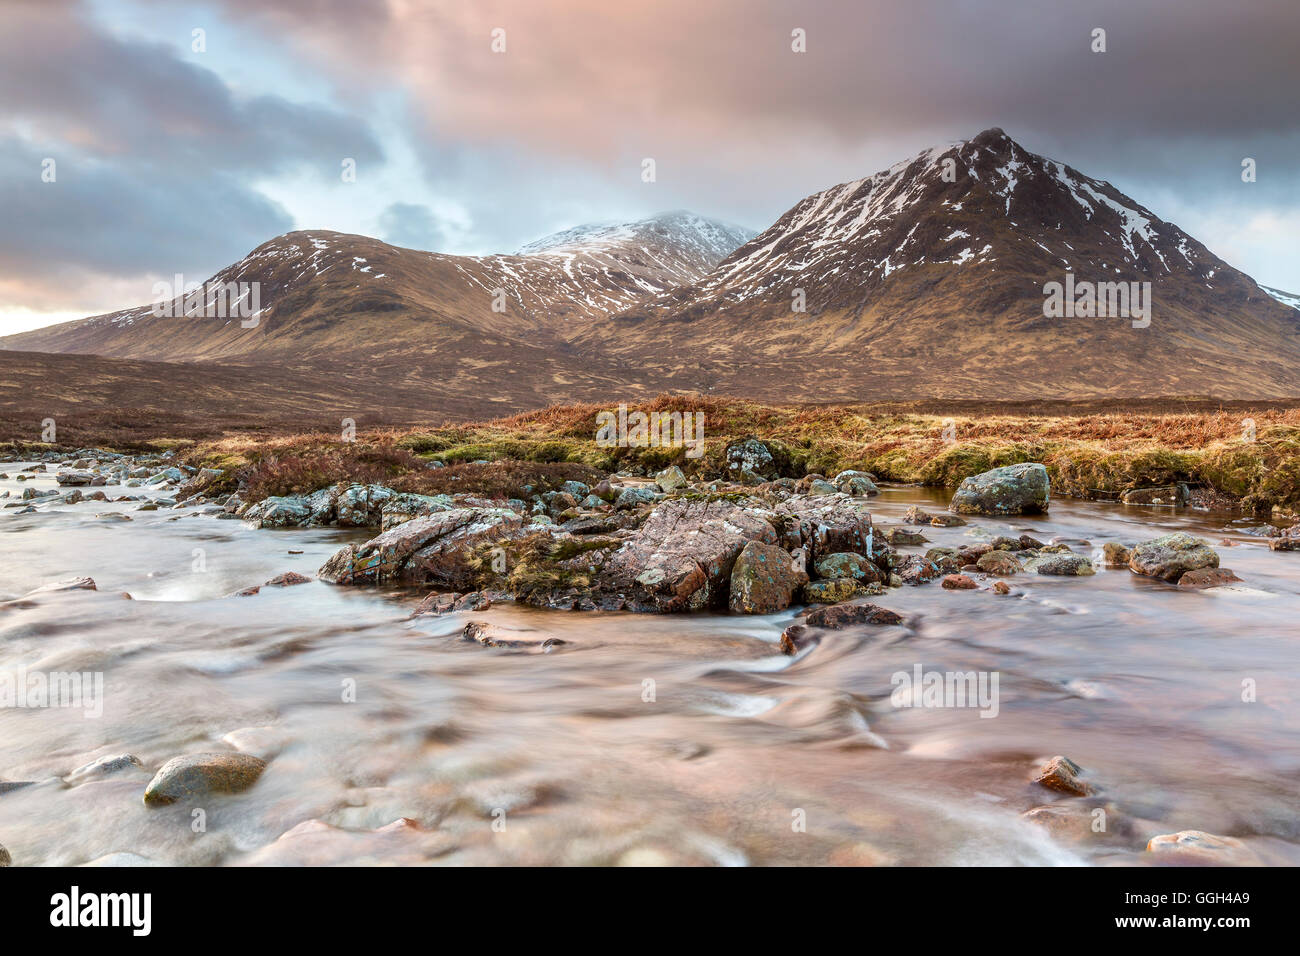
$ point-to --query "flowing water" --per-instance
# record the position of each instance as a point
(680, 739)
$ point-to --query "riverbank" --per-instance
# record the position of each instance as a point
(1235, 454)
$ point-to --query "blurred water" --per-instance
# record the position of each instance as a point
(504, 756)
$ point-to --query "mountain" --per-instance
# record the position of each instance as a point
(927, 280)
(327, 295)
(920, 284)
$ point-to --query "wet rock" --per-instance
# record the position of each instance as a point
(1172, 556)
(795, 638)
(897, 537)
(74, 478)
(197, 775)
(1013, 490)
(1203, 578)
(1001, 563)
(434, 550)
(1115, 555)
(105, 766)
(247, 592)
(288, 579)
(670, 479)
(958, 582)
(69, 584)
(683, 555)
(971, 553)
(847, 564)
(856, 483)
(916, 570)
(917, 515)
(280, 512)
(847, 615)
(830, 591)
(947, 521)
(1029, 543)
(1062, 775)
(764, 579)
(1000, 587)
(5, 858)
(828, 524)
(1289, 543)
(1169, 495)
(1197, 846)
(265, 743)
(490, 635)
(1064, 564)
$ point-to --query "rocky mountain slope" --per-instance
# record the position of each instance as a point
(924, 281)
(927, 280)
(327, 296)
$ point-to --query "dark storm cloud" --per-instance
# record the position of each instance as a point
(156, 157)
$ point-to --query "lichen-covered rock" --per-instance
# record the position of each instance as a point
(846, 564)
(288, 579)
(1064, 564)
(406, 506)
(855, 483)
(831, 590)
(635, 497)
(437, 549)
(847, 615)
(1172, 556)
(898, 537)
(830, 523)
(1013, 490)
(670, 479)
(682, 556)
(751, 457)
(1116, 555)
(361, 506)
(277, 511)
(916, 570)
(764, 579)
(197, 775)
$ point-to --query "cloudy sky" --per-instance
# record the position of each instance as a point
(185, 134)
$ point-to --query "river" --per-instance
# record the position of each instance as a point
(642, 739)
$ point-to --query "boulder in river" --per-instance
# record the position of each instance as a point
(1062, 774)
(1167, 495)
(288, 579)
(855, 483)
(1012, 490)
(764, 579)
(1116, 555)
(1001, 563)
(197, 775)
(437, 549)
(683, 555)
(958, 582)
(846, 615)
(1197, 846)
(1172, 556)
(847, 564)
(1203, 578)
(1064, 564)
